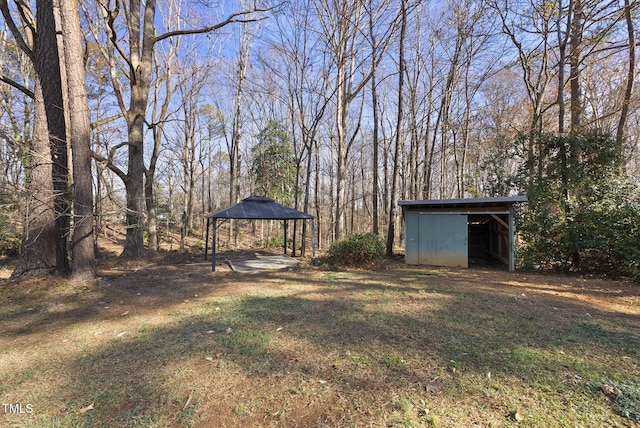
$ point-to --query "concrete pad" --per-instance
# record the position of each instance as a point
(251, 264)
(263, 263)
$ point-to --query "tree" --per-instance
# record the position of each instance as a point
(599, 230)
(273, 163)
(394, 176)
(138, 56)
(341, 23)
(39, 43)
(82, 245)
(631, 74)
(38, 253)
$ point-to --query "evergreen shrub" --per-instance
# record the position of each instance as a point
(357, 250)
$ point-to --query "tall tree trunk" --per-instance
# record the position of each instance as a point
(141, 44)
(574, 69)
(82, 247)
(47, 66)
(376, 145)
(235, 161)
(342, 111)
(631, 74)
(562, 57)
(38, 254)
(394, 178)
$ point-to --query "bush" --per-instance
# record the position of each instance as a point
(357, 250)
(583, 216)
(275, 242)
(9, 243)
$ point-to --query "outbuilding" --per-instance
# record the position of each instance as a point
(453, 232)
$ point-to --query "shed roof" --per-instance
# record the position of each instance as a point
(260, 208)
(464, 203)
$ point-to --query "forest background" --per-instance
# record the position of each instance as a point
(127, 114)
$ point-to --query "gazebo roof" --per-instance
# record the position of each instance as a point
(260, 208)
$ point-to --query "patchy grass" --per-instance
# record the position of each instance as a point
(162, 344)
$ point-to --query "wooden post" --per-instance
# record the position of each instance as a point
(293, 247)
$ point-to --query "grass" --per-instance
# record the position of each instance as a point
(403, 347)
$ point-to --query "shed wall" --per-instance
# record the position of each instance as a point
(436, 239)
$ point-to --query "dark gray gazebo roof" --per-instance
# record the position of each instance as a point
(260, 208)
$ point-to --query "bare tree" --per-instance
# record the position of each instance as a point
(39, 43)
(631, 73)
(138, 55)
(394, 176)
(82, 249)
(341, 21)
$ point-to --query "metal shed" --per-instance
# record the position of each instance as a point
(256, 208)
(451, 232)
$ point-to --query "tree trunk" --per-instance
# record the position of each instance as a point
(626, 101)
(47, 66)
(141, 44)
(574, 68)
(82, 247)
(394, 178)
(38, 255)
(376, 145)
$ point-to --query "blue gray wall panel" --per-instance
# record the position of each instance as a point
(436, 239)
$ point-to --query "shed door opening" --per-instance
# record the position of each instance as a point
(489, 240)
(442, 239)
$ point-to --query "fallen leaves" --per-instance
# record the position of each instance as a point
(188, 402)
(85, 409)
(517, 416)
(610, 390)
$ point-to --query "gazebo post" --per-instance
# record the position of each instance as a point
(213, 245)
(313, 239)
(206, 239)
(285, 237)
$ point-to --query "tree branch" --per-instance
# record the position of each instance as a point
(108, 161)
(17, 35)
(234, 18)
(17, 85)
(104, 120)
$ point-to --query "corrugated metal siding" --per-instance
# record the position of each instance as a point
(443, 240)
(436, 239)
(411, 247)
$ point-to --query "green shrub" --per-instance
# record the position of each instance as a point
(583, 212)
(356, 250)
(276, 242)
(9, 241)
(625, 397)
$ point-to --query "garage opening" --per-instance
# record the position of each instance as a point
(488, 240)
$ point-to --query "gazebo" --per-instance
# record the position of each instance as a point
(256, 208)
